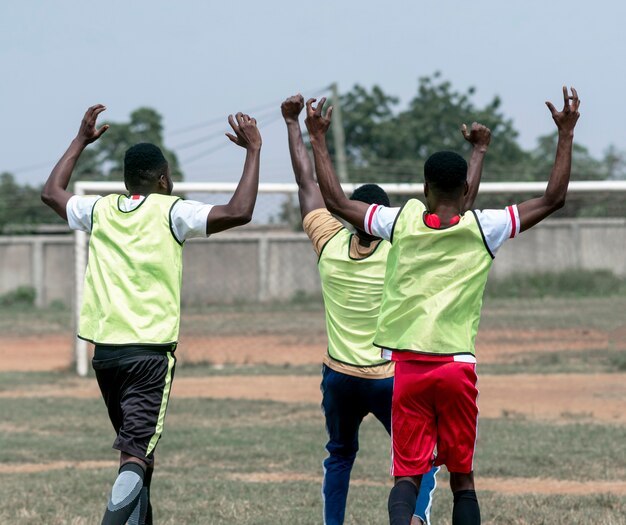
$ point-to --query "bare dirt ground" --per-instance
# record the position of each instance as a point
(510, 486)
(54, 352)
(599, 397)
(554, 397)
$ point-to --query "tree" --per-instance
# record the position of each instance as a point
(388, 144)
(615, 163)
(21, 205)
(104, 160)
(383, 144)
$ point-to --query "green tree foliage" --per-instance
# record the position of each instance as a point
(385, 143)
(392, 144)
(104, 159)
(22, 206)
(389, 145)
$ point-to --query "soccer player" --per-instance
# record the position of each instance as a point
(131, 303)
(356, 381)
(436, 273)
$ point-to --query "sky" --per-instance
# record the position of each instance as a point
(197, 61)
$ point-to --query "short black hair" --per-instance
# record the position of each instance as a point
(370, 194)
(446, 171)
(144, 164)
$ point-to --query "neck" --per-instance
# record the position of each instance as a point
(364, 238)
(445, 210)
(143, 191)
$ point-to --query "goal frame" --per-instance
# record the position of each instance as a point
(104, 188)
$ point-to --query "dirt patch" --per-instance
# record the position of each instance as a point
(55, 352)
(36, 353)
(500, 346)
(244, 350)
(29, 468)
(553, 397)
(510, 486)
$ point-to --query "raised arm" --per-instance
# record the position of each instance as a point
(479, 137)
(309, 193)
(54, 192)
(336, 201)
(239, 209)
(535, 210)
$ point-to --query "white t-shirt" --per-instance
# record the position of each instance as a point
(497, 225)
(188, 217)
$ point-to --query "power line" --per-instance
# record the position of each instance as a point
(218, 120)
(209, 151)
(32, 167)
(212, 136)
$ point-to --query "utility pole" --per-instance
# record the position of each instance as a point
(339, 137)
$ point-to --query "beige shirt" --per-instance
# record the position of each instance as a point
(321, 226)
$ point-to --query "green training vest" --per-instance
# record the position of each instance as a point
(433, 286)
(352, 290)
(133, 279)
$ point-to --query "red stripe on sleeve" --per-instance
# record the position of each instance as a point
(371, 217)
(513, 222)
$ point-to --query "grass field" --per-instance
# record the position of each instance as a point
(259, 462)
(229, 456)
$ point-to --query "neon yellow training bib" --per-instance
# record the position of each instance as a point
(352, 290)
(133, 279)
(433, 285)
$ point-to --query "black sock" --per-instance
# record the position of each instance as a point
(146, 483)
(401, 504)
(125, 494)
(465, 510)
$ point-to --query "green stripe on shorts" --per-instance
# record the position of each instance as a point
(166, 394)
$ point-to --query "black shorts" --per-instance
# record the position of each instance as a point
(135, 383)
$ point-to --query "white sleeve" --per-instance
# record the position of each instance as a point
(379, 221)
(189, 219)
(79, 210)
(498, 226)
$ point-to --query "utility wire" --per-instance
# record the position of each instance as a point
(250, 112)
(215, 135)
(226, 142)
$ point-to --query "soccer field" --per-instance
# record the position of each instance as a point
(244, 434)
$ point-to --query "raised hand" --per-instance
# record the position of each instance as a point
(315, 121)
(478, 135)
(87, 133)
(247, 134)
(566, 119)
(292, 107)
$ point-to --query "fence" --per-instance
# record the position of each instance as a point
(274, 265)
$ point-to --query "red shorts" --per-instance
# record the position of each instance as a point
(434, 404)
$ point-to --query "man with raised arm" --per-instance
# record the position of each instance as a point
(436, 273)
(131, 303)
(356, 381)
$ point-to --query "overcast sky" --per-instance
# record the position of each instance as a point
(195, 61)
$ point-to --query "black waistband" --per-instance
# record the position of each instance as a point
(118, 351)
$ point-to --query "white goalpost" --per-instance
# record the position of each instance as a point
(103, 188)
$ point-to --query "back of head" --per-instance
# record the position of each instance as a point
(144, 164)
(446, 172)
(370, 194)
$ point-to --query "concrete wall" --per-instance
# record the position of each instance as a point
(278, 266)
